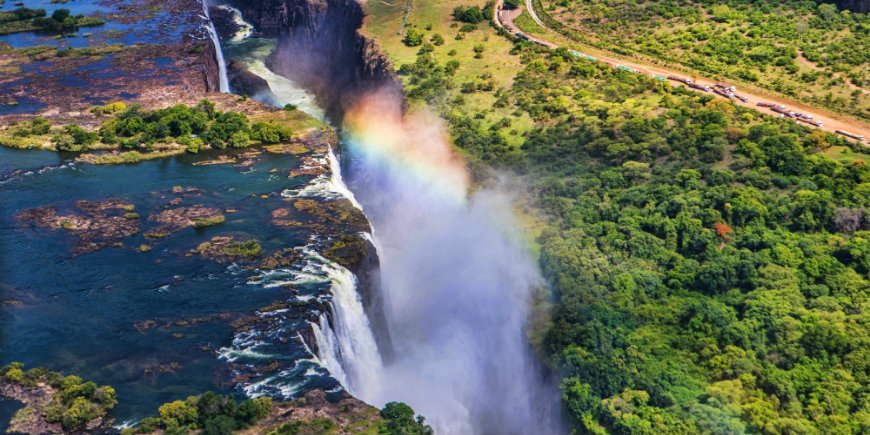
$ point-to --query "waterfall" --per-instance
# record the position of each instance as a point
(224, 83)
(353, 338)
(456, 277)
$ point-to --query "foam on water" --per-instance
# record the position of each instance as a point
(245, 28)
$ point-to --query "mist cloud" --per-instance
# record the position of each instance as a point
(457, 281)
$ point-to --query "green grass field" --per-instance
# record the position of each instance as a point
(385, 21)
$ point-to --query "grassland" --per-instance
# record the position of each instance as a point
(385, 22)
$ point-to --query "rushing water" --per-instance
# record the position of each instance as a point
(457, 281)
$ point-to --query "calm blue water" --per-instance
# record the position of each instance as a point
(77, 314)
(147, 26)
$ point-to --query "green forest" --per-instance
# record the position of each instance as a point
(804, 49)
(708, 264)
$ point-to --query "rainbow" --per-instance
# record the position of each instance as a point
(416, 145)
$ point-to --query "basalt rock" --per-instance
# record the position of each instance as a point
(224, 21)
(245, 82)
(94, 224)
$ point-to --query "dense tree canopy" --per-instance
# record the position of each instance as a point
(709, 264)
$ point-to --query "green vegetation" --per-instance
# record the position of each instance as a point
(802, 49)
(73, 403)
(212, 413)
(347, 250)
(399, 419)
(317, 426)
(28, 20)
(135, 128)
(471, 14)
(413, 38)
(709, 263)
(247, 249)
(141, 134)
(209, 221)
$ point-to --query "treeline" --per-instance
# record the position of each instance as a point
(60, 21)
(194, 127)
(709, 263)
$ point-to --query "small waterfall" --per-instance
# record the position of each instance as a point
(224, 82)
(328, 349)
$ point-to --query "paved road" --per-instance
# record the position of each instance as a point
(505, 19)
(531, 8)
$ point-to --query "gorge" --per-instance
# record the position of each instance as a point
(456, 286)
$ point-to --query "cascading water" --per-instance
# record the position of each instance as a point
(346, 345)
(457, 283)
(223, 81)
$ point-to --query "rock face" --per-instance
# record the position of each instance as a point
(320, 47)
(855, 5)
(245, 82)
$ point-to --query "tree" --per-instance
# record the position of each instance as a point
(470, 15)
(413, 38)
(179, 414)
(400, 420)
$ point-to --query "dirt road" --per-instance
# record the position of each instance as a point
(830, 123)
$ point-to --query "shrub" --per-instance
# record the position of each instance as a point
(179, 414)
(413, 38)
(270, 133)
(247, 249)
(239, 139)
(79, 413)
(194, 145)
(254, 409)
(209, 221)
(15, 374)
(471, 15)
(399, 419)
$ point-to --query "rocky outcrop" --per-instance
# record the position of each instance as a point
(320, 46)
(245, 82)
(210, 68)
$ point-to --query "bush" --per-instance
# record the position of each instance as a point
(413, 38)
(213, 413)
(194, 145)
(179, 414)
(399, 420)
(270, 133)
(471, 15)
